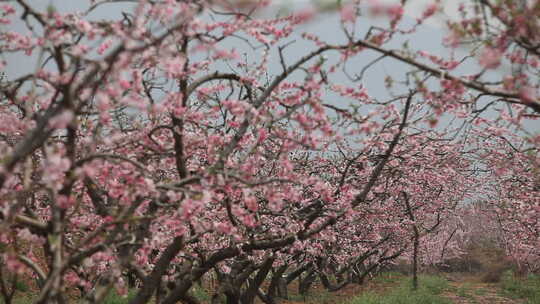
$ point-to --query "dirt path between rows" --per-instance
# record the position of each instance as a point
(466, 291)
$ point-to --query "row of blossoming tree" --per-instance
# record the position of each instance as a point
(146, 152)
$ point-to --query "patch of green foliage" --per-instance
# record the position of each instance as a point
(463, 291)
(20, 300)
(200, 293)
(114, 298)
(388, 277)
(314, 296)
(21, 286)
(528, 288)
(21, 294)
(429, 292)
(480, 292)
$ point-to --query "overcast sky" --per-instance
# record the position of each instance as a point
(326, 26)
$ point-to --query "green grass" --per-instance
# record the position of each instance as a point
(200, 293)
(429, 292)
(21, 286)
(388, 277)
(21, 296)
(314, 296)
(480, 292)
(114, 298)
(464, 291)
(20, 300)
(517, 288)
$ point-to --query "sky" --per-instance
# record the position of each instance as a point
(326, 26)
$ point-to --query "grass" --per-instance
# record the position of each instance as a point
(517, 288)
(200, 293)
(314, 296)
(19, 300)
(429, 292)
(480, 291)
(21, 286)
(114, 298)
(388, 277)
(21, 296)
(464, 291)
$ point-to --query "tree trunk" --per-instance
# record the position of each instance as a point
(305, 284)
(416, 241)
(415, 259)
(277, 278)
(282, 289)
(248, 297)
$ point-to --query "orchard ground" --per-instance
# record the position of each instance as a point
(477, 278)
(394, 288)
